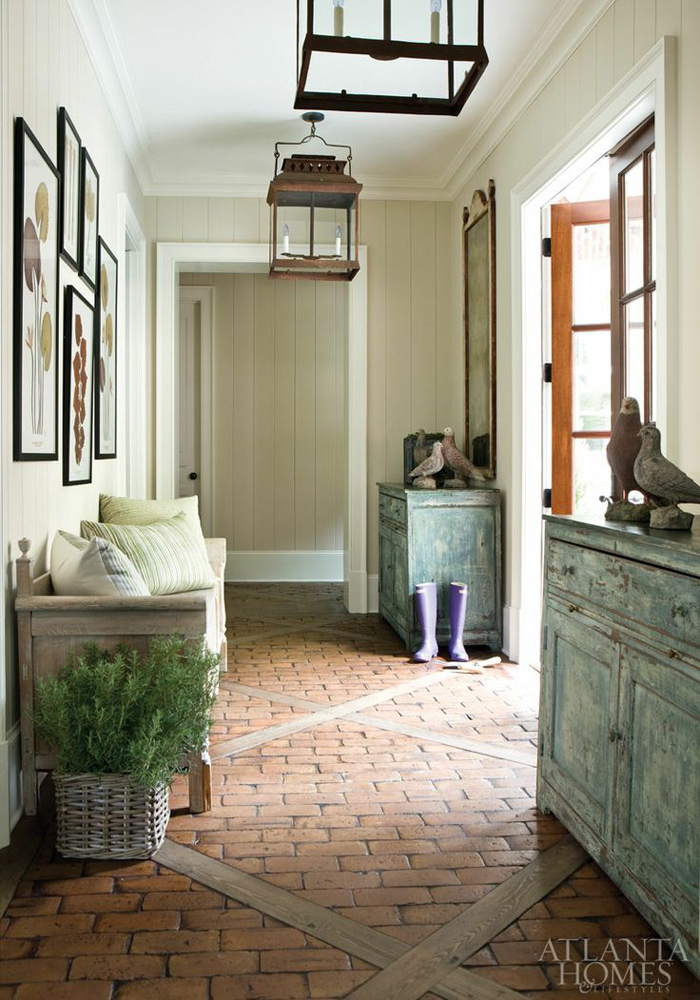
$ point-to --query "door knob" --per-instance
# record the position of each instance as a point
(193, 475)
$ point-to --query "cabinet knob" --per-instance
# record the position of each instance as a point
(674, 654)
(572, 608)
(192, 475)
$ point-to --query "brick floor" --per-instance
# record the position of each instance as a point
(398, 833)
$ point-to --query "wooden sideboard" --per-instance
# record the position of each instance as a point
(441, 536)
(619, 748)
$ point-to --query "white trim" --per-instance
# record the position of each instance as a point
(171, 258)
(511, 630)
(5, 386)
(649, 86)
(314, 566)
(373, 593)
(203, 296)
(95, 25)
(564, 31)
(131, 253)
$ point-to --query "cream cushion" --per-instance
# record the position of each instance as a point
(92, 568)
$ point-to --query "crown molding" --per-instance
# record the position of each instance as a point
(565, 32)
(96, 28)
(572, 21)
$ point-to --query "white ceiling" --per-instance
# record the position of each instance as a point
(209, 87)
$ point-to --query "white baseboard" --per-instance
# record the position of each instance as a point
(284, 567)
(373, 593)
(10, 784)
(511, 632)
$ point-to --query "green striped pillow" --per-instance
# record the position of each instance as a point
(167, 554)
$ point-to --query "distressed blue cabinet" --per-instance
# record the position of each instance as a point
(440, 536)
(620, 710)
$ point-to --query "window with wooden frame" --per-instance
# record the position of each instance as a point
(603, 321)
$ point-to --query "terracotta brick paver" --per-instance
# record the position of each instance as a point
(395, 832)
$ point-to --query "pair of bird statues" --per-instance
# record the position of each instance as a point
(635, 457)
(430, 461)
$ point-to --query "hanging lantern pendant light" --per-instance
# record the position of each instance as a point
(314, 212)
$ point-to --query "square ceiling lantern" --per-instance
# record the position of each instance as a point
(420, 57)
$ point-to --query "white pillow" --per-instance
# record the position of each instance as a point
(94, 568)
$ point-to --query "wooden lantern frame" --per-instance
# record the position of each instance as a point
(309, 175)
(387, 49)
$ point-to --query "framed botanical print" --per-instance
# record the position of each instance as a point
(89, 217)
(78, 387)
(69, 206)
(35, 350)
(106, 354)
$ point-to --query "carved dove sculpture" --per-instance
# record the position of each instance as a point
(624, 444)
(421, 449)
(432, 464)
(657, 477)
(458, 462)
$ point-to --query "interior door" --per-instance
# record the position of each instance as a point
(190, 383)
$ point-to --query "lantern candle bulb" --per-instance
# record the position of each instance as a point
(435, 6)
(338, 238)
(285, 238)
(339, 17)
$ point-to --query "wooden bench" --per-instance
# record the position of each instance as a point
(52, 629)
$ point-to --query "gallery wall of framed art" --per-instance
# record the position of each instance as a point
(63, 358)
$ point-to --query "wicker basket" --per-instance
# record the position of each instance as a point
(108, 817)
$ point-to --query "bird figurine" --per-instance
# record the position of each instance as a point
(421, 448)
(423, 473)
(624, 444)
(663, 482)
(459, 463)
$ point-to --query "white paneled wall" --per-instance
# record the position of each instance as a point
(627, 30)
(47, 66)
(414, 360)
(279, 350)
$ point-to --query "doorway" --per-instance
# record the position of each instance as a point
(646, 90)
(195, 375)
(219, 258)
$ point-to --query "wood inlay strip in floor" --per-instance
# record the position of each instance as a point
(348, 935)
(228, 748)
(518, 756)
(418, 970)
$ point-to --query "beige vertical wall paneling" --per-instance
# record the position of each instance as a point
(48, 66)
(243, 386)
(414, 361)
(623, 37)
(263, 450)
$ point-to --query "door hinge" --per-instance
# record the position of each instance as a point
(547, 371)
(547, 246)
(547, 498)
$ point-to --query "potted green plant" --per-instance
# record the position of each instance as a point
(121, 725)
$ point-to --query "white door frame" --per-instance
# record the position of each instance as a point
(649, 87)
(173, 258)
(203, 296)
(133, 422)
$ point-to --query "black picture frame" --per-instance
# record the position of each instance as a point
(70, 204)
(23, 135)
(102, 335)
(89, 228)
(72, 294)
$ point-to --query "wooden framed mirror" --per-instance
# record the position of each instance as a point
(479, 248)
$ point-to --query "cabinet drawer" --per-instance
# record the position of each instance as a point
(638, 595)
(392, 509)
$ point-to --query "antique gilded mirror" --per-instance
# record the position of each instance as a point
(479, 243)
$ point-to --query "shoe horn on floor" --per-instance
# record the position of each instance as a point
(426, 604)
(459, 593)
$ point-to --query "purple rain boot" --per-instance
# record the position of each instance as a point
(426, 602)
(458, 610)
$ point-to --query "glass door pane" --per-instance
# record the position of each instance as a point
(634, 350)
(592, 477)
(591, 273)
(591, 381)
(633, 230)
